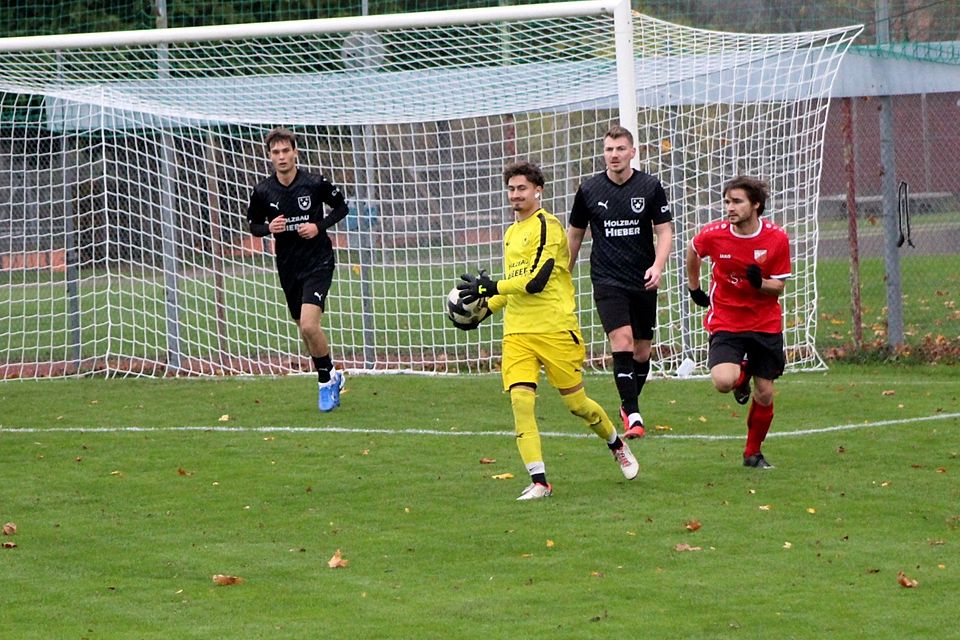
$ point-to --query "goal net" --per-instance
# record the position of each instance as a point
(127, 161)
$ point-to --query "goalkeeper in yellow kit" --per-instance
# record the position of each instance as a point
(540, 327)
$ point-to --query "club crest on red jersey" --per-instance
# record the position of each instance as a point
(760, 255)
(637, 204)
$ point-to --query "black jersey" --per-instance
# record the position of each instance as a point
(301, 202)
(621, 219)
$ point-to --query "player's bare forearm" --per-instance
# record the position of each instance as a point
(773, 287)
(693, 268)
(664, 248)
(574, 242)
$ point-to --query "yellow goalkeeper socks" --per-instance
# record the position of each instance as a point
(523, 400)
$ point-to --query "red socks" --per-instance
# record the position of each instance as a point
(743, 375)
(758, 423)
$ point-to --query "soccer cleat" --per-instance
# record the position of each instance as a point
(535, 491)
(328, 397)
(634, 429)
(341, 383)
(741, 393)
(628, 463)
(757, 461)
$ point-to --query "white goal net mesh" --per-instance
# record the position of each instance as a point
(125, 172)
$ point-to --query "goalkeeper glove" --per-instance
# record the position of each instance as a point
(469, 326)
(699, 297)
(475, 287)
(754, 277)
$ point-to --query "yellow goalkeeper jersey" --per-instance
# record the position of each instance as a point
(534, 248)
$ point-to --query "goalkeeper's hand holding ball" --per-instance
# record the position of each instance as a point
(475, 287)
(470, 326)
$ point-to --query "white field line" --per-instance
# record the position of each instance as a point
(437, 432)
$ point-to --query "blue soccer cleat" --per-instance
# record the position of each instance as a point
(341, 382)
(328, 397)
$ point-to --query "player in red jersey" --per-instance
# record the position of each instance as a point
(750, 262)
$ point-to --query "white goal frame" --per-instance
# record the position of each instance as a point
(672, 102)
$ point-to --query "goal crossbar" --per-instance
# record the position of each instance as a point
(287, 28)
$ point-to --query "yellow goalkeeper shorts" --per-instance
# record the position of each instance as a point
(560, 353)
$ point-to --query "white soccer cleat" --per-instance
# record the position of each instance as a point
(535, 491)
(627, 461)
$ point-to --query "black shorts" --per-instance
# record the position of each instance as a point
(763, 351)
(308, 288)
(619, 307)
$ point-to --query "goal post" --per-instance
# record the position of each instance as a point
(127, 160)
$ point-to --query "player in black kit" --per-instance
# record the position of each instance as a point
(624, 209)
(290, 205)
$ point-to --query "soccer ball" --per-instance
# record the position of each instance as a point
(462, 312)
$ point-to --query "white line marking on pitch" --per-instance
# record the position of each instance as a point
(436, 432)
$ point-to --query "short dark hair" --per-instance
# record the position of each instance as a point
(616, 131)
(757, 190)
(523, 168)
(280, 134)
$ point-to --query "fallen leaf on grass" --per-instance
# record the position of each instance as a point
(765, 507)
(596, 574)
(9, 528)
(502, 476)
(662, 427)
(9, 545)
(550, 543)
(337, 561)
(692, 525)
(811, 510)
(683, 546)
(889, 392)
(225, 581)
(183, 472)
(225, 417)
(941, 469)
(487, 460)
(788, 545)
(904, 581)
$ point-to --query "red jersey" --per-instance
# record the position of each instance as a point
(734, 304)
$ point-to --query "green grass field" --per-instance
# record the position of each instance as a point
(129, 495)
